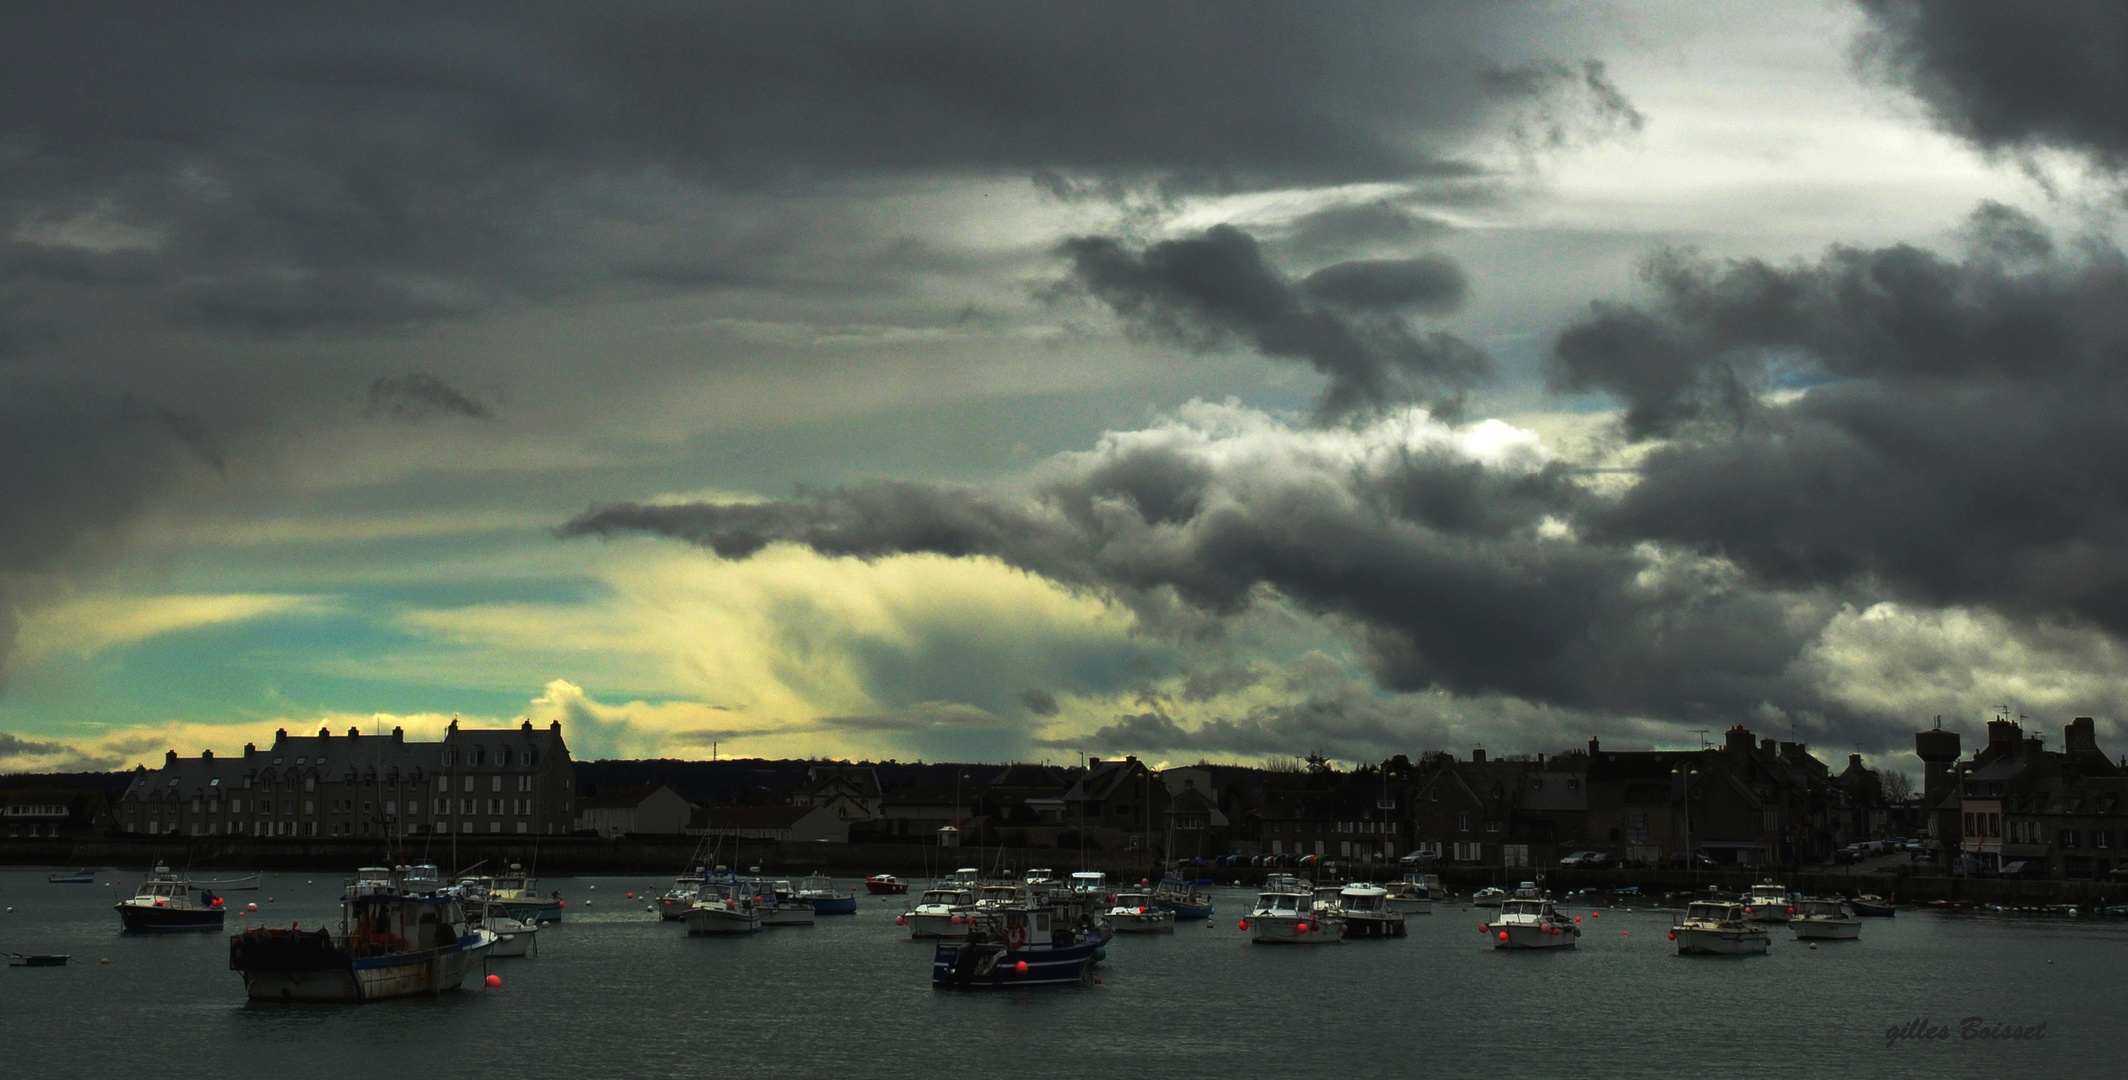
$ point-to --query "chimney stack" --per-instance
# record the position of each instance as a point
(1592, 746)
(325, 733)
(206, 755)
(2080, 737)
(250, 749)
(1737, 740)
(169, 758)
(354, 733)
(398, 734)
(1477, 757)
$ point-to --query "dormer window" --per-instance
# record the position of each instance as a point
(502, 758)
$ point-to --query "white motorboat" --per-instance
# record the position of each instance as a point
(1367, 914)
(1824, 920)
(1489, 896)
(779, 904)
(940, 913)
(1288, 917)
(513, 936)
(1768, 902)
(1139, 913)
(1526, 923)
(1412, 896)
(676, 900)
(1719, 929)
(721, 909)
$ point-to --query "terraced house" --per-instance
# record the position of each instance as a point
(487, 781)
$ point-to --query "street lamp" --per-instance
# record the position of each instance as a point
(1685, 773)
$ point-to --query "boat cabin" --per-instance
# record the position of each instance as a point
(1531, 910)
(947, 898)
(1820, 909)
(1090, 881)
(1768, 894)
(1364, 898)
(1718, 914)
(1282, 903)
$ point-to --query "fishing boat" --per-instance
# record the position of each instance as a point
(1525, 923)
(1183, 898)
(778, 903)
(819, 891)
(393, 941)
(1489, 896)
(1872, 907)
(940, 913)
(1367, 913)
(1714, 928)
(722, 909)
(15, 959)
(1768, 902)
(1286, 915)
(1139, 913)
(1824, 920)
(167, 903)
(886, 885)
(1411, 896)
(1027, 945)
(72, 877)
(673, 904)
(519, 892)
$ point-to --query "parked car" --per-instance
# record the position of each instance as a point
(2024, 868)
(1579, 860)
(1680, 860)
(1420, 858)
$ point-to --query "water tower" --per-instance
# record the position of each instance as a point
(1938, 751)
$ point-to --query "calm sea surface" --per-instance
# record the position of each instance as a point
(615, 992)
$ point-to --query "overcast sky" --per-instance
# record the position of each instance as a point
(1014, 381)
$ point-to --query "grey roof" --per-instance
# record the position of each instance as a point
(329, 757)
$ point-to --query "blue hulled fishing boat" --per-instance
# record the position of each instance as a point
(1183, 898)
(819, 891)
(1018, 946)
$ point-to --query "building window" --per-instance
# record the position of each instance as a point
(1994, 824)
(1462, 823)
(2102, 838)
(1969, 825)
(524, 783)
(494, 826)
(524, 827)
(465, 826)
(502, 758)
(476, 756)
(469, 783)
(1492, 826)
(495, 783)
(2068, 838)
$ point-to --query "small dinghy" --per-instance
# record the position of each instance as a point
(72, 877)
(15, 959)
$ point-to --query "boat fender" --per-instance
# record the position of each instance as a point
(901, 920)
(1100, 953)
(494, 981)
(1244, 925)
(1503, 935)
(1021, 967)
(1673, 935)
(1485, 928)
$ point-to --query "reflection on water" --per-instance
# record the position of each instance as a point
(614, 991)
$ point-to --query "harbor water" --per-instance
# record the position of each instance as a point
(615, 992)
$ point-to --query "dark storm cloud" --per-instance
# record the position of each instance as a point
(1040, 702)
(1346, 321)
(1440, 563)
(74, 466)
(416, 394)
(183, 187)
(1340, 229)
(2041, 74)
(1963, 437)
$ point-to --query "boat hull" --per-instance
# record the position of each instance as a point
(143, 919)
(515, 942)
(1521, 937)
(1868, 910)
(833, 905)
(1826, 929)
(1697, 942)
(1410, 906)
(1150, 922)
(373, 978)
(1766, 914)
(81, 877)
(533, 910)
(37, 959)
(786, 915)
(1357, 926)
(980, 967)
(721, 922)
(924, 925)
(886, 888)
(1285, 930)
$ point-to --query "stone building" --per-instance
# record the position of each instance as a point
(476, 781)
